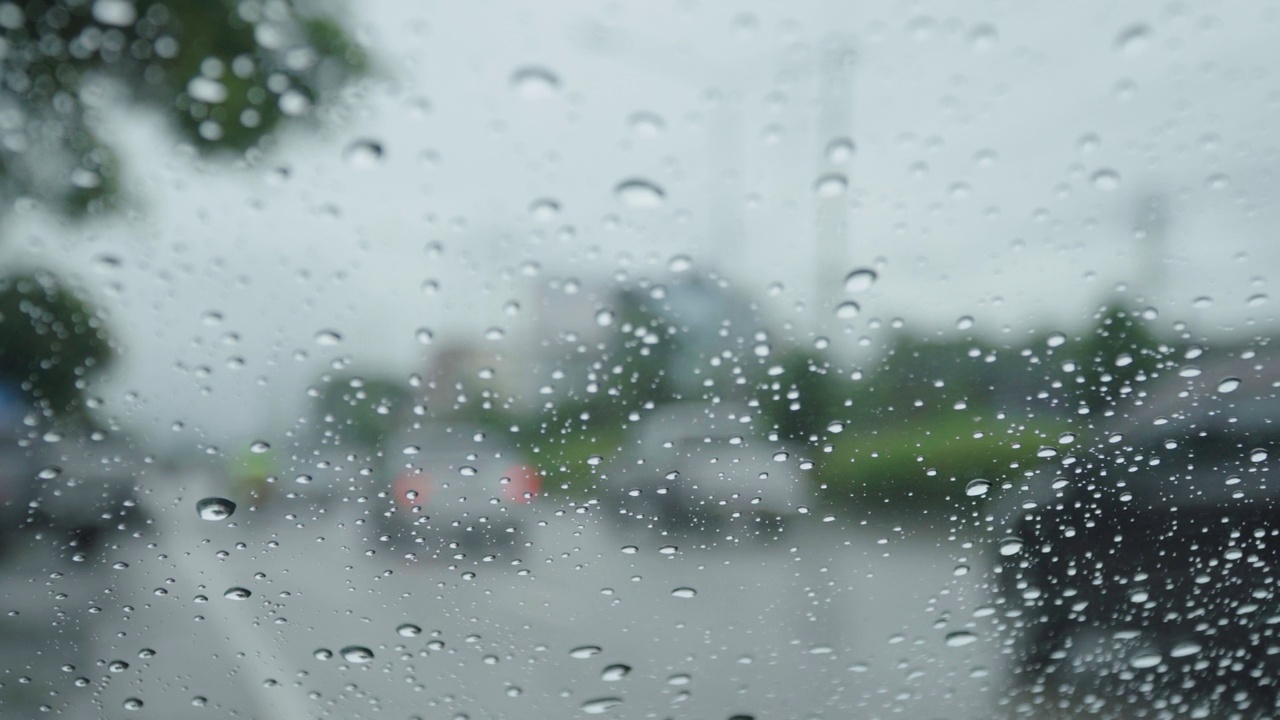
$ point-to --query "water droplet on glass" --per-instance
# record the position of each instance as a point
(215, 508)
(1010, 546)
(322, 654)
(835, 427)
(535, 83)
(646, 125)
(1146, 660)
(1133, 39)
(1184, 649)
(49, 473)
(977, 488)
(630, 549)
(983, 37)
(960, 639)
(781, 456)
(357, 654)
(964, 323)
(860, 280)
(680, 263)
(684, 592)
(363, 154)
(847, 310)
(1106, 179)
(640, 194)
(600, 706)
(237, 593)
(408, 630)
(585, 651)
(259, 447)
(132, 704)
(831, 185)
(544, 210)
(839, 151)
(1055, 339)
(328, 338)
(668, 550)
(614, 673)
(1258, 455)
(604, 318)
(1228, 385)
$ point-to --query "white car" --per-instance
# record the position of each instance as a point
(699, 466)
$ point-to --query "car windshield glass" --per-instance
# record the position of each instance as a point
(650, 360)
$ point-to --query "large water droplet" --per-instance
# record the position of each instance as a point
(544, 209)
(977, 487)
(960, 638)
(535, 83)
(584, 651)
(357, 654)
(684, 592)
(363, 154)
(1146, 660)
(133, 704)
(641, 194)
(49, 473)
(604, 318)
(259, 447)
(1010, 546)
(599, 706)
(408, 630)
(680, 263)
(1106, 179)
(215, 508)
(1133, 39)
(839, 151)
(614, 673)
(847, 310)
(1184, 649)
(860, 280)
(831, 185)
(237, 593)
(646, 125)
(1228, 385)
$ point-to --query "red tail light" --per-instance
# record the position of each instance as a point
(524, 484)
(411, 489)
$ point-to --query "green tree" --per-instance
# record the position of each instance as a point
(360, 410)
(228, 73)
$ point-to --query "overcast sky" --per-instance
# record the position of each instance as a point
(1002, 158)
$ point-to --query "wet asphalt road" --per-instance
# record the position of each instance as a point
(583, 618)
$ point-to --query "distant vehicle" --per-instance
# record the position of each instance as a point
(19, 465)
(453, 486)
(1157, 551)
(86, 485)
(699, 466)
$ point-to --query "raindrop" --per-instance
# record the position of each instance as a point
(983, 37)
(303, 479)
(408, 630)
(600, 706)
(646, 125)
(1010, 546)
(680, 263)
(1067, 438)
(964, 323)
(132, 704)
(1055, 339)
(237, 593)
(684, 592)
(668, 550)
(835, 427)
(357, 654)
(1146, 660)
(535, 83)
(1106, 179)
(847, 310)
(614, 673)
(363, 154)
(1046, 452)
(322, 654)
(1183, 649)
(215, 508)
(49, 473)
(831, 185)
(259, 447)
(640, 194)
(839, 151)
(977, 488)
(544, 210)
(1228, 385)
(781, 456)
(585, 651)
(119, 13)
(960, 639)
(1258, 455)
(604, 318)
(1133, 40)
(327, 338)
(860, 280)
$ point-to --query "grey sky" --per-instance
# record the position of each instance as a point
(981, 184)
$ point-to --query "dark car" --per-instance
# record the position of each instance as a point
(455, 487)
(1150, 560)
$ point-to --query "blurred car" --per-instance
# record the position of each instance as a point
(1153, 557)
(699, 466)
(87, 485)
(455, 486)
(19, 465)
